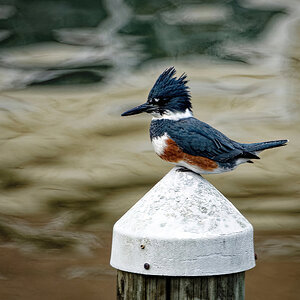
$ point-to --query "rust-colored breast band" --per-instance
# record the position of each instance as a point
(173, 153)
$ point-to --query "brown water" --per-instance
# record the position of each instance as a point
(71, 166)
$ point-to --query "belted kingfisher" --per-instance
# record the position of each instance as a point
(179, 138)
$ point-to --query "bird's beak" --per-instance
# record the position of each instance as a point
(137, 110)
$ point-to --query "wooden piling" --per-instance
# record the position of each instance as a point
(132, 286)
(182, 240)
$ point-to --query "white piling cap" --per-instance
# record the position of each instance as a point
(183, 227)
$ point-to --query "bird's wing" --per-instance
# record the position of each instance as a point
(200, 139)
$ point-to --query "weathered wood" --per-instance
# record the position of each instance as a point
(132, 286)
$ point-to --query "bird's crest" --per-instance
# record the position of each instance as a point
(172, 90)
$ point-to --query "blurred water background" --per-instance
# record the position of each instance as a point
(70, 166)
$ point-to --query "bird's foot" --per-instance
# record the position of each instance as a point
(183, 169)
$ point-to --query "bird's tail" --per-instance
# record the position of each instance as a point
(258, 147)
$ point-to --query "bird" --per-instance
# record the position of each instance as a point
(179, 138)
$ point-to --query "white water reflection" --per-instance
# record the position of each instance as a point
(195, 14)
(75, 48)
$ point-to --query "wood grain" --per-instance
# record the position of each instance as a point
(132, 286)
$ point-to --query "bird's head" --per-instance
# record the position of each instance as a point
(170, 96)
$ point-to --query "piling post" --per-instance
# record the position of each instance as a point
(182, 240)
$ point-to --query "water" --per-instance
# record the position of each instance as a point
(71, 166)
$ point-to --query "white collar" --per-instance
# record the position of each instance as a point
(175, 116)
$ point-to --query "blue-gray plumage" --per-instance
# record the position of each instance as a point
(181, 139)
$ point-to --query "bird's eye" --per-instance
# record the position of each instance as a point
(155, 101)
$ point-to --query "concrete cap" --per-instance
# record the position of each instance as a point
(183, 227)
